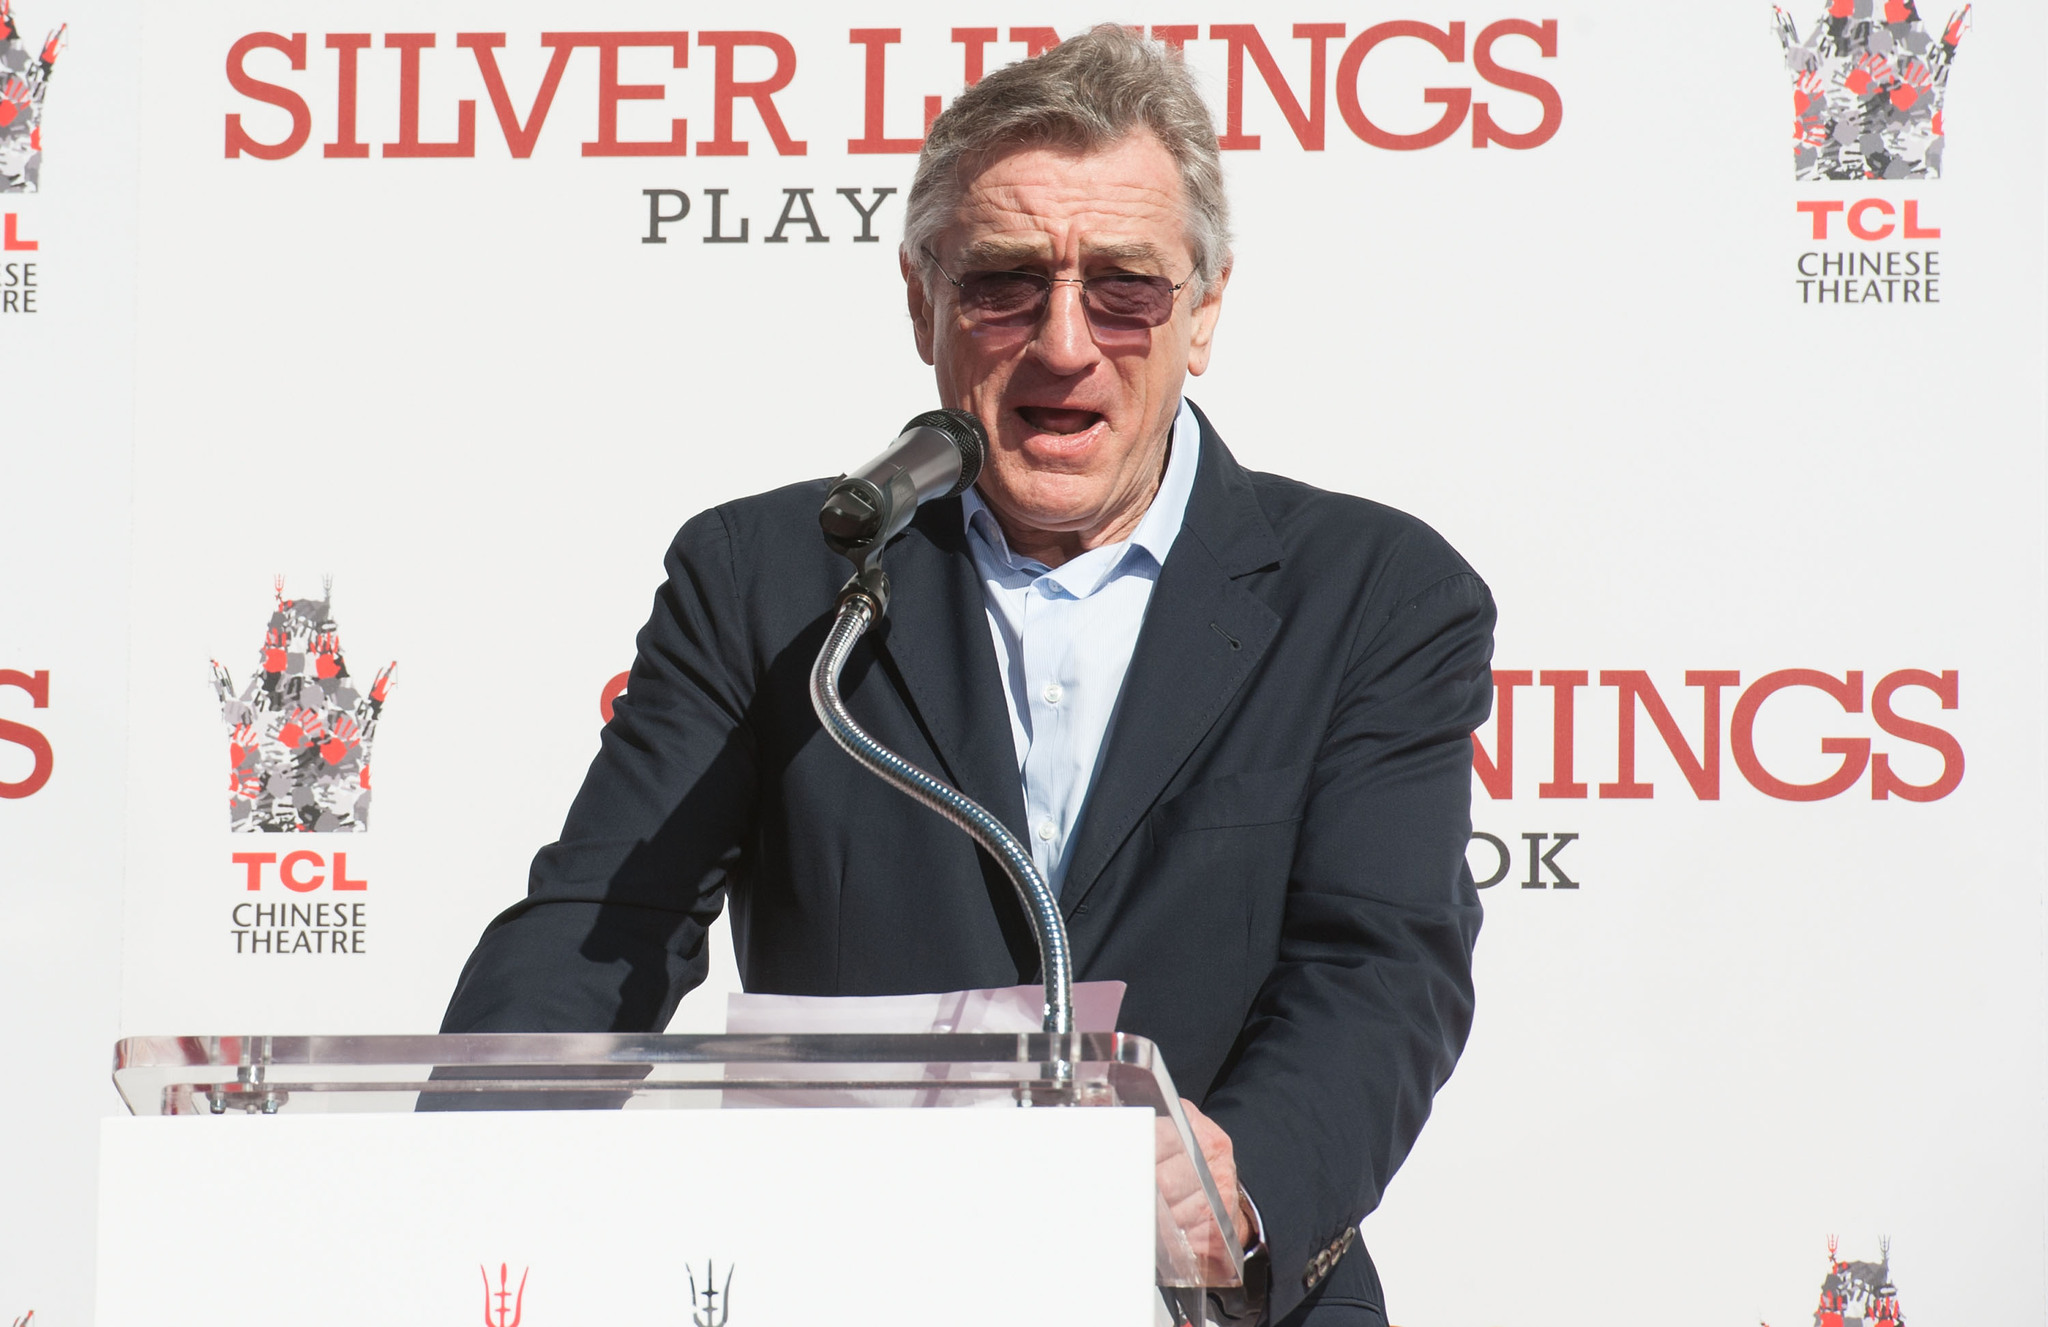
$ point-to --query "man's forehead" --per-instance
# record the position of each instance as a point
(1117, 204)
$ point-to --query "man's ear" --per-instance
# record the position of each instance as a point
(920, 306)
(1206, 313)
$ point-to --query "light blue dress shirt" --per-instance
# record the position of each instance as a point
(1064, 637)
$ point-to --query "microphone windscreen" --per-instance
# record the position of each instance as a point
(966, 433)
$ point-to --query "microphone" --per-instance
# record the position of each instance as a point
(937, 455)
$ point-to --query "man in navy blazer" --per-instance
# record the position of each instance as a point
(1267, 840)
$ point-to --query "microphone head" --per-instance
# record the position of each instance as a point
(966, 433)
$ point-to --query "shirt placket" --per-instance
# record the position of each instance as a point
(1048, 612)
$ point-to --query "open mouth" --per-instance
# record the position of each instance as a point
(1051, 419)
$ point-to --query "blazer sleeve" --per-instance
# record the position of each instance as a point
(611, 934)
(1368, 1006)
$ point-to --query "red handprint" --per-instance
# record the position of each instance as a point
(347, 735)
(1842, 8)
(274, 641)
(382, 686)
(13, 97)
(54, 44)
(7, 28)
(1870, 72)
(1954, 36)
(1899, 11)
(241, 745)
(248, 785)
(1914, 78)
(1807, 89)
(303, 726)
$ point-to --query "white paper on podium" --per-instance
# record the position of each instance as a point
(1011, 1009)
(998, 1009)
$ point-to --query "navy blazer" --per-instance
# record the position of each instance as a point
(1272, 855)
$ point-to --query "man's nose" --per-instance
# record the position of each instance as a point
(1064, 342)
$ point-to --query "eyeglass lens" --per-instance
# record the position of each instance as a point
(1113, 300)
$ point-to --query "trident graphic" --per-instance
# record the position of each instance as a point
(709, 1312)
(507, 1316)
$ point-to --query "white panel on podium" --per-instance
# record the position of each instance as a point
(568, 1218)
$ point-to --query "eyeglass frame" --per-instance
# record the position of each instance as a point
(1173, 296)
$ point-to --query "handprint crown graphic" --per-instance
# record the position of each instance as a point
(1868, 83)
(24, 79)
(299, 733)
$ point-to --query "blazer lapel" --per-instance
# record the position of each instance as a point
(937, 640)
(1203, 635)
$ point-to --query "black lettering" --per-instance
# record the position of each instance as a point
(1561, 881)
(1501, 849)
(790, 199)
(718, 235)
(867, 214)
(656, 218)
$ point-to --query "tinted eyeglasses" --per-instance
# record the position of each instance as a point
(1113, 301)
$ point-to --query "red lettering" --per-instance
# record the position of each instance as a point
(1859, 210)
(1455, 101)
(1497, 775)
(1819, 209)
(1176, 36)
(725, 90)
(37, 685)
(519, 138)
(610, 92)
(1884, 783)
(1245, 39)
(1854, 751)
(1914, 230)
(974, 45)
(878, 40)
(287, 871)
(12, 241)
(1563, 684)
(612, 691)
(341, 880)
(1703, 772)
(350, 46)
(1484, 129)
(409, 45)
(255, 861)
(270, 94)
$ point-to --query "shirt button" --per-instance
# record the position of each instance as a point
(1054, 693)
(1046, 829)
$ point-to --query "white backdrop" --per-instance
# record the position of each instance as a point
(469, 392)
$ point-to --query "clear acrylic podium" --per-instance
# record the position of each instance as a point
(270, 1075)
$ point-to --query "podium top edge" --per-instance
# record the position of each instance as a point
(532, 1049)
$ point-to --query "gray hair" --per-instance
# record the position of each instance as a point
(1086, 94)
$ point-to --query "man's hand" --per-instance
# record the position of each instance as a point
(1182, 1189)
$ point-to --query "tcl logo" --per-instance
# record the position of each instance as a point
(1855, 755)
(42, 760)
(301, 872)
(399, 64)
(1868, 218)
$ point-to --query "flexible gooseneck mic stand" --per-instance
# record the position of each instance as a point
(862, 603)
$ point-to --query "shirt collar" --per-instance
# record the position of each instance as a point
(1155, 534)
